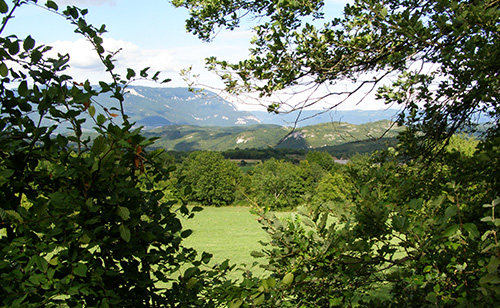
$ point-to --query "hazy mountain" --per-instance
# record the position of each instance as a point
(312, 117)
(156, 107)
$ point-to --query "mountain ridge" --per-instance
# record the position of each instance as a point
(189, 138)
(153, 107)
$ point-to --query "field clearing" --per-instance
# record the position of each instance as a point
(227, 233)
(233, 233)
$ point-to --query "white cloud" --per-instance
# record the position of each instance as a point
(81, 54)
(85, 63)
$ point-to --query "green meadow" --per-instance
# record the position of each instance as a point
(227, 233)
(233, 233)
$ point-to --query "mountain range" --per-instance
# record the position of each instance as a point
(183, 121)
(319, 136)
(156, 107)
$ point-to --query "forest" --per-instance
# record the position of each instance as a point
(98, 222)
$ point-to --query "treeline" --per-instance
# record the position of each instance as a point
(341, 151)
(249, 154)
(273, 183)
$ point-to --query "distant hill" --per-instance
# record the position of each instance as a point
(187, 138)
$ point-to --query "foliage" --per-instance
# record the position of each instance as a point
(323, 159)
(389, 248)
(441, 55)
(417, 232)
(81, 223)
(332, 193)
(213, 178)
(277, 185)
(263, 153)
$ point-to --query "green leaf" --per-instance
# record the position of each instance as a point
(80, 270)
(257, 254)
(308, 222)
(54, 261)
(41, 263)
(493, 265)
(259, 300)
(431, 297)
(288, 279)
(101, 119)
(3, 7)
(489, 278)
(28, 43)
(99, 145)
(144, 72)
(197, 209)
(486, 234)
(15, 215)
(302, 211)
(130, 73)
(416, 204)
(383, 12)
(488, 248)
(123, 212)
(190, 272)
(124, 233)
(451, 230)
(91, 111)
(3, 70)
(186, 233)
(14, 47)
(104, 304)
(472, 229)
(271, 282)
(52, 5)
(235, 303)
(6, 173)
(191, 282)
(336, 301)
(23, 88)
(450, 212)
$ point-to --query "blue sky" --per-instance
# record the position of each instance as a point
(150, 33)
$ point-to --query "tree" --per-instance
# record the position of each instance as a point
(441, 55)
(332, 192)
(394, 248)
(425, 231)
(323, 159)
(81, 223)
(213, 178)
(278, 184)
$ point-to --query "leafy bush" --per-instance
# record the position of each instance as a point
(81, 223)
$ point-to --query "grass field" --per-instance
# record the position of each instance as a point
(227, 233)
(233, 233)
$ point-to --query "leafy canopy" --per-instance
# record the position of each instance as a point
(442, 56)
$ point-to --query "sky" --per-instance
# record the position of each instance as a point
(151, 34)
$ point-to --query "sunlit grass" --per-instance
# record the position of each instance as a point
(227, 233)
